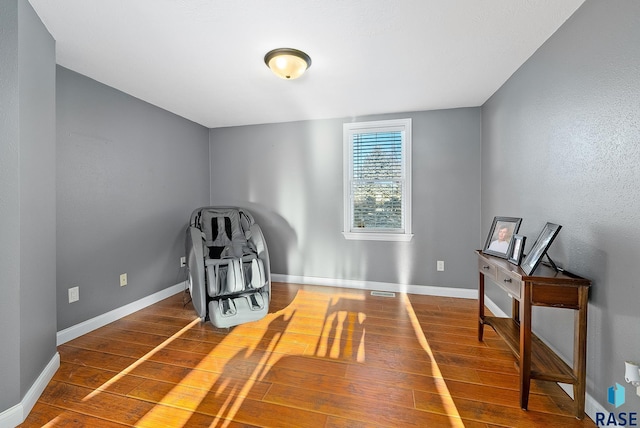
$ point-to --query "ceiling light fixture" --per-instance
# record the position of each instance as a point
(287, 63)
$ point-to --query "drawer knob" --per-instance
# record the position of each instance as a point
(507, 280)
(485, 267)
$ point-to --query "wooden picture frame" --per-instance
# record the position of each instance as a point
(516, 250)
(540, 247)
(500, 236)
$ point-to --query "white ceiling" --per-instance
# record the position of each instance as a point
(203, 59)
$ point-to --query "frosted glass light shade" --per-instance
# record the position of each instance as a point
(287, 63)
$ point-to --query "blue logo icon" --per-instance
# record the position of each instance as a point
(616, 395)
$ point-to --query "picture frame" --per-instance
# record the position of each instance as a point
(517, 248)
(500, 238)
(540, 247)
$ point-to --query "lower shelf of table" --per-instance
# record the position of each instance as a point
(545, 364)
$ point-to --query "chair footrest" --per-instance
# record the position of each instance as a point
(231, 311)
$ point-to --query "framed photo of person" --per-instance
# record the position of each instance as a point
(540, 247)
(517, 247)
(500, 236)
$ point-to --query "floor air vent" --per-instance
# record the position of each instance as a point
(383, 294)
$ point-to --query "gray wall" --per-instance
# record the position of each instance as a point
(561, 143)
(9, 206)
(290, 176)
(37, 196)
(27, 200)
(129, 175)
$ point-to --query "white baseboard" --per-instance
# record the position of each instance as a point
(31, 397)
(463, 293)
(85, 327)
(495, 309)
(12, 417)
(17, 414)
(591, 406)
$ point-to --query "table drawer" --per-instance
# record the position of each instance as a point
(509, 283)
(489, 270)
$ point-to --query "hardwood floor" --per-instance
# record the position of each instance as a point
(323, 357)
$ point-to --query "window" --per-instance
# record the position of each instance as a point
(377, 180)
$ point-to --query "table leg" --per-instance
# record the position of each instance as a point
(580, 351)
(480, 306)
(525, 345)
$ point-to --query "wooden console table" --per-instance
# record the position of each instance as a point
(546, 288)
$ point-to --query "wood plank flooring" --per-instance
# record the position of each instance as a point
(323, 357)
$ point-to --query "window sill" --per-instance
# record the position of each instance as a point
(373, 236)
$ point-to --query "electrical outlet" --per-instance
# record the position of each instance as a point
(440, 265)
(183, 261)
(74, 294)
(123, 280)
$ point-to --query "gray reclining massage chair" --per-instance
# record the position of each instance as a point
(228, 265)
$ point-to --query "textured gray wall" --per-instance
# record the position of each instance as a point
(290, 176)
(561, 143)
(129, 175)
(27, 200)
(37, 196)
(9, 206)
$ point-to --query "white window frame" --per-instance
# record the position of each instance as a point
(349, 130)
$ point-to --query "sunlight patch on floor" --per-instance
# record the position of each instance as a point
(141, 360)
(53, 422)
(445, 396)
(333, 329)
(339, 327)
(232, 395)
(248, 352)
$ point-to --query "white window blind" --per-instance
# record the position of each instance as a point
(377, 180)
